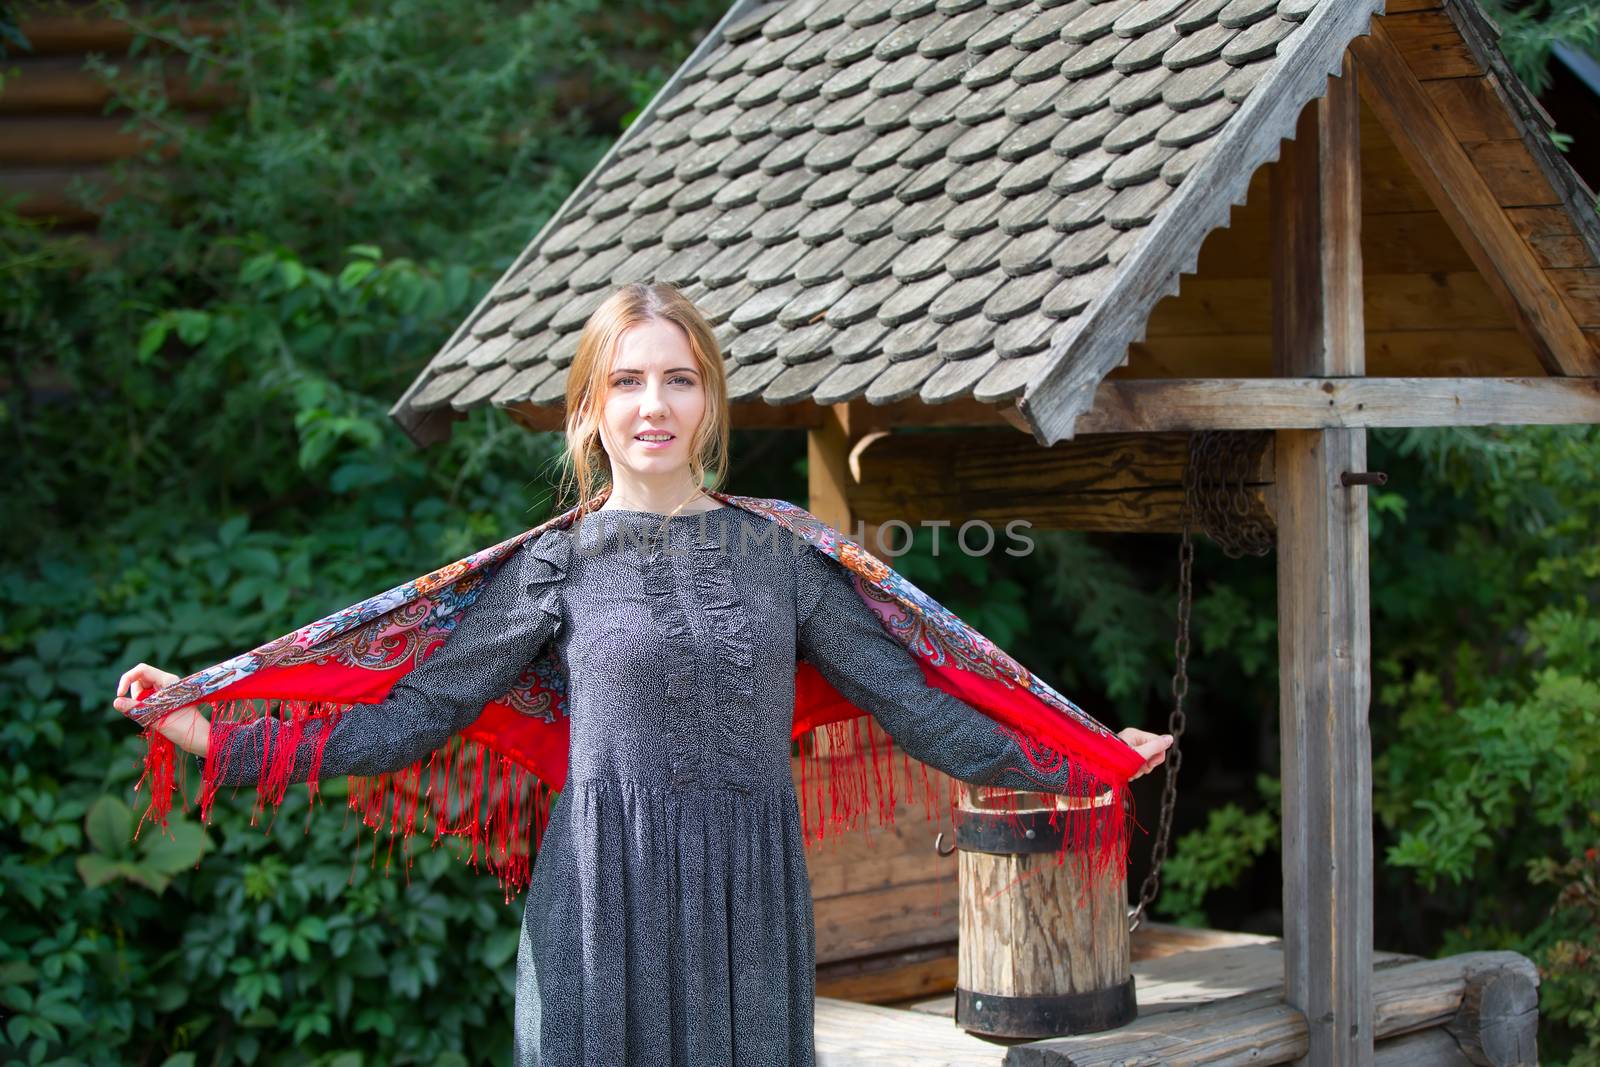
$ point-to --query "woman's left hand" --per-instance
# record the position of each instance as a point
(1153, 747)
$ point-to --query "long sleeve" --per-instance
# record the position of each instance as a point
(494, 640)
(842, 637)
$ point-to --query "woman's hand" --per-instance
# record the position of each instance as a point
(186, 727)
(1153, 747)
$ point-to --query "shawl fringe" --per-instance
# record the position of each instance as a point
(489, 808)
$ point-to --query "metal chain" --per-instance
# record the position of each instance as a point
(1215, 493)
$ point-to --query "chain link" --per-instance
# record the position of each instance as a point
(1217, 496)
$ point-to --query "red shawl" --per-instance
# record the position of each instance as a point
(491, 782)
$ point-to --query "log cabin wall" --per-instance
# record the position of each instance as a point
(55, 126)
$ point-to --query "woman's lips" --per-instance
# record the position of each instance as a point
(655, 446)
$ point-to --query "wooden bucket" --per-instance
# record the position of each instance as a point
(1040, 953)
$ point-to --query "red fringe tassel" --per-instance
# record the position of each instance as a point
(477, 800)
(487, 808)
(859, 776)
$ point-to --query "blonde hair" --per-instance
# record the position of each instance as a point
(586, 468)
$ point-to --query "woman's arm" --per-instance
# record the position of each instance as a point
(843, 638)
(515, 614)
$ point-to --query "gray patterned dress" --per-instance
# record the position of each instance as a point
(669, 917)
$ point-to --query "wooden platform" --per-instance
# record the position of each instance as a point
(1221, 1004)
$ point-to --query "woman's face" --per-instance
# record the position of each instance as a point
(652, 389)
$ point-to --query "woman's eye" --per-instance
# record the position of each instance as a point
(675, 378)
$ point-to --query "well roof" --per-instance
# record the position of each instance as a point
(931, 199)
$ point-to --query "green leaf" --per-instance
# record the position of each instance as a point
(353, 274)
(152, 338)
(233, 529)
(96, 870)
(109, 825)
(181, 851)
(257, 268)
(193, 326)
(150, 878)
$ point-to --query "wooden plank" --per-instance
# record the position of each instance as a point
(1460, 299)
(883, 920)
(914, 975)
(61, 84)
(1388, 184)
(1411, 238)
(1193, 979)
(1553, 236)
(1426, 1048)
(68, 140)
(1580, 289)
(1512, 174)
(85, 30)
(1452, 353)
(1323, 623)
(869, 1035)
(1395, 6)
(1155, 940)
(42, 192)
(1466, 201)
(1153, 406)
(1108, 482)
(1471, 108)
(1431, 45)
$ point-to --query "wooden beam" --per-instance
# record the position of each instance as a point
(1156, 405)
(1130, 405)
(1323, 624)
(828, 480)
(1467, 203)
(1128, 483)
(889, 977)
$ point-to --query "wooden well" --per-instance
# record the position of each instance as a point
(1043, 948)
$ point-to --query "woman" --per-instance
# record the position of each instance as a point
(669, 919)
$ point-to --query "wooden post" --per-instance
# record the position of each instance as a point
(1324, 651)
(828, 448)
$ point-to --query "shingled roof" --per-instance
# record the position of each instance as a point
(914, 198)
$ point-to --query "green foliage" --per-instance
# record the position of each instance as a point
(1218, 854)
(1529, 29)
(207, 462)
(152, 863)
(1570, 983)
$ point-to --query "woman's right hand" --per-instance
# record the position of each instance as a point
(186, 727)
